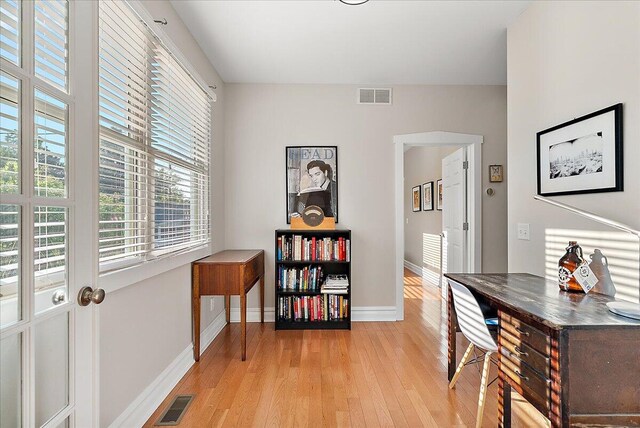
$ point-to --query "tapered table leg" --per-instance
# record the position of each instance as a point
(262, 299)
(195, 310)
(243, 325)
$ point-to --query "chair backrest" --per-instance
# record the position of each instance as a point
(470, 318)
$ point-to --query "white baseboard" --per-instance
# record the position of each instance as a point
(211, 332)
(413, 267)
(373, 313)
(363, 313)
(148, 401)
(253, 314)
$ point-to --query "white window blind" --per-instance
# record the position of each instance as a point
(154, 145)
(51, 44)
(10, 31)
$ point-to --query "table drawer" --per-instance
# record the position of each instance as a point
(519, 351)
(252, 269)
(533, 387)
(526, 334)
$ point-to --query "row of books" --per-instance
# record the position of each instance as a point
(299, 248)
(336, 284)
(324, 307)
(299, 279)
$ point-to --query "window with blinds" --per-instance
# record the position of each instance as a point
(154, 145)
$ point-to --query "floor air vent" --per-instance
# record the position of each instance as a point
(176, 410)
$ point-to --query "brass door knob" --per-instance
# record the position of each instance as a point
(88, 295)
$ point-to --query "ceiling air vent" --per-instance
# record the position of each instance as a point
(374, 96)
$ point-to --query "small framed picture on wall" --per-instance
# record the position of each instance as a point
(427, 196)
(439, 202)
(415, 200)
(495, 174)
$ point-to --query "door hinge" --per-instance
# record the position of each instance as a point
(465, 226)
(465, 165)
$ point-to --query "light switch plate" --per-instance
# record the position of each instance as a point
(523, 231)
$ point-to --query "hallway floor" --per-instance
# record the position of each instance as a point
(377, 374)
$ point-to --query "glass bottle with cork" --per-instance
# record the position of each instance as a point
(567, 265)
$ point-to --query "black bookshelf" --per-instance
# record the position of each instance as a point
(285, 318)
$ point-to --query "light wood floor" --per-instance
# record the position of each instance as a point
(377, 374)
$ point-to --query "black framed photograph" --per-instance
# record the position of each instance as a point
(312, 179)
(439, 200)
(416, 198)
(583, 155)
(427, 196)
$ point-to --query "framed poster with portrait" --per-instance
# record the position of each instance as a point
(439, 200)
(583, 155)
(312, 179)
(427, 196)
(415, 199)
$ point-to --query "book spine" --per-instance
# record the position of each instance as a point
(288, 257)
(313, 248)
(279, 248)
(305, 255)
(348, 255)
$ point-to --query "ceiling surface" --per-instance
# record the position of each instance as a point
(379, 42)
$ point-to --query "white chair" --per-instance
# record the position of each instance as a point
(474, 327)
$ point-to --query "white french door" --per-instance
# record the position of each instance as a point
(47, 212)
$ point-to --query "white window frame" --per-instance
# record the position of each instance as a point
(121, 273)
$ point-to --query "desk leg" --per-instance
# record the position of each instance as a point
(262, 299)
(243, 325)
(451, 335)
(195, 309)
(227, 307)
(504, 401)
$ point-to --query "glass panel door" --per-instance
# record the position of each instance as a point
(39, 278)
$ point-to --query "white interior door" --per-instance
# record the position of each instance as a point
(454, 211)
(46, 232)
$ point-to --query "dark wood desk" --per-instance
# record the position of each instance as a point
(227, 273)
(565, 353)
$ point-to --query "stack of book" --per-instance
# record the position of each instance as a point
(335, 284)
(313, 308)
(302, 248)
(308, 278)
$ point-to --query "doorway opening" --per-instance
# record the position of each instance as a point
(462, 188)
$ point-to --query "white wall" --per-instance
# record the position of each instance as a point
(145, 326)
(422, 228)
(260, 120)
(565, 60)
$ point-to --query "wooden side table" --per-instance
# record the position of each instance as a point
(227, 273)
